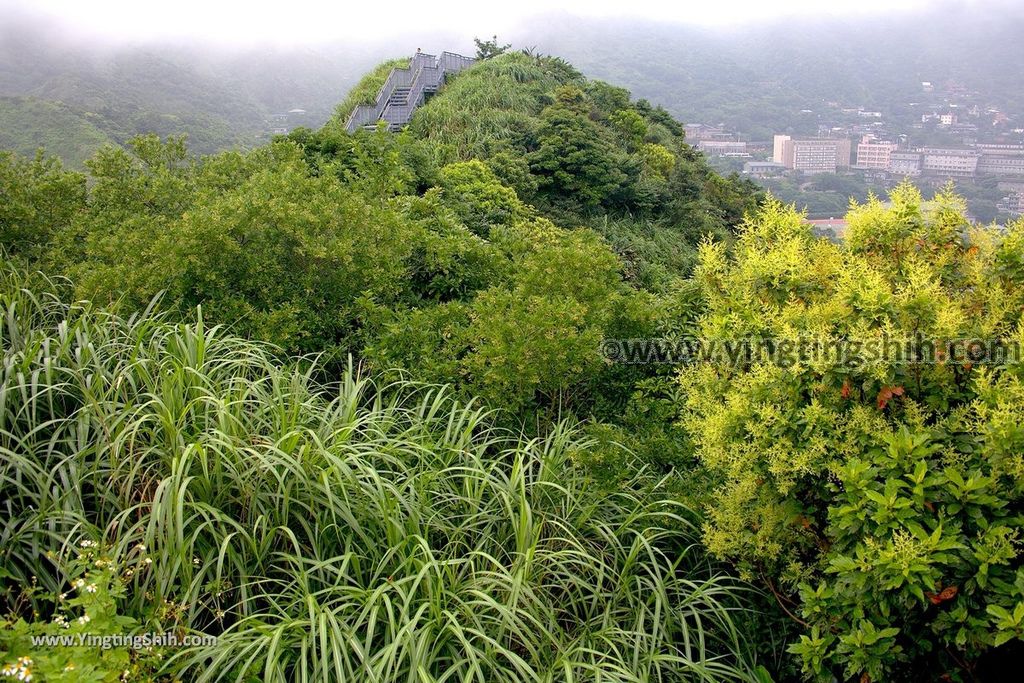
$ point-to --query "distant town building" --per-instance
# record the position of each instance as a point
(722, 148)
(1012, 204)
(814, 155)
(695, 132)
(873, 153)
(280, 124)
(905, 163)
(952, 163)
(1000, 159)
(1001, 165)
(762, 169)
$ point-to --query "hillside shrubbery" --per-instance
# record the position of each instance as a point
(172, 478)
(326, 526)
(883, 492)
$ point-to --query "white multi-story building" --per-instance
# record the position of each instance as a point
(1000, 160)
(814, 155)
(905, 163)
(874, 153)
(953, 163)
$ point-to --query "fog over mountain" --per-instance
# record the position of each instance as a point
(66, 86)
(635, 342)
(755, 78)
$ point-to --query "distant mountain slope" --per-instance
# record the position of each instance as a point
(220, 99)
(26, 124)
(758, 78)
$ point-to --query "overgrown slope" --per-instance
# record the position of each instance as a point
(28, 124)
(167, 477)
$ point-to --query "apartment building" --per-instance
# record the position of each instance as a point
(814, 155)
(1000, 159)
(696, 132)
(1012, 204)
(948, 162)
(874, 153)
(762, 169)
(905, 163)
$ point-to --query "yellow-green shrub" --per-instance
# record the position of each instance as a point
(882, 495)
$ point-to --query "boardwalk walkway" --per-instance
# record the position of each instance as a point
(407, 89)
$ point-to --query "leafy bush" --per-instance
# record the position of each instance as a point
(879, 496)
(346, 531)
(87, 609)
(37, 199)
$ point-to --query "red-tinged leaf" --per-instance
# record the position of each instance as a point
(947, 593)
(845, 393)
(883, 397)
(886, 395)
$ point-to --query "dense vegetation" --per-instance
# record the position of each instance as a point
(173, 477)
(71, 94)
(30, 124)
(757, 78)
(828, 196)
(883, 488)
(340, 400)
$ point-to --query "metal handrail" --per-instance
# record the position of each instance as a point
(425, 71)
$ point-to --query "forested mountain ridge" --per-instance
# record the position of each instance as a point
(518, 160)
(221, 98)
(757, 78)
(525, 391)
(581, 151)
(285, 271)
(30, 124)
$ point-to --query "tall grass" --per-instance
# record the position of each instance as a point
(365, 91)
(351, 533)
(497, 101)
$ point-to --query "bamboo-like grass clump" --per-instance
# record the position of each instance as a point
(343, 532)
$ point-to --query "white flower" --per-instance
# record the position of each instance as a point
(91, 588)
(149, 560)
(20, 669)
(84, 619)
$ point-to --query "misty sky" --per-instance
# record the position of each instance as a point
(309, 21)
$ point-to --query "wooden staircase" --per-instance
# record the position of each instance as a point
(405, 90)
